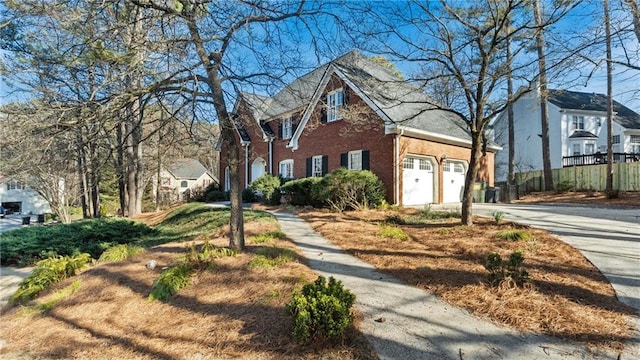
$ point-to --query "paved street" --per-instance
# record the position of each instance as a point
(609, 238)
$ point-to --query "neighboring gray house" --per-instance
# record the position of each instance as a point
(19, 198)
(185, 175)
(577, 131)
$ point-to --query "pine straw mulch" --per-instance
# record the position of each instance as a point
(230, 312)
(567, 296)
(599, 198)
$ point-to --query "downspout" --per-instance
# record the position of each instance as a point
(246, 166)
(396, 169)
(270, 156)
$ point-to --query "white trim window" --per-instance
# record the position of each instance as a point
(14, 185)
(589, 148)
(355, 160)
(286, 169)
(576, 149)
(227, 179)
(578, 122)
(335, 101)
(634, 141)
(287, 128)
(615, 139)
(316, 166)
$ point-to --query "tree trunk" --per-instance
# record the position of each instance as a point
(236, 236)
(511, 180)
(120, 169)
(607, 27)
(472, 174)
(544, 116)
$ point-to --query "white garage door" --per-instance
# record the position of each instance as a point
(453, 181)
(417, 181)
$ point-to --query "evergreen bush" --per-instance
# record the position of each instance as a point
(299, 191)
(321, 310)
(344, 189)
(267, 188)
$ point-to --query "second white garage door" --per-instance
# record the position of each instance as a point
(417, 181)
(453, 173)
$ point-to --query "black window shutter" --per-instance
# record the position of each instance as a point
(345, 96)
(344, 160)
(294, 124)
(309, 166)
(280, 129)
(325, 165)
(365, 160)
(323, 116)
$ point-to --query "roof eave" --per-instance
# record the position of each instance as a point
(428, 135)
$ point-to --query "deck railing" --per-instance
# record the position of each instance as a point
(598, 158)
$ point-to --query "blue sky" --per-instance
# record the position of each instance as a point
(625, 81)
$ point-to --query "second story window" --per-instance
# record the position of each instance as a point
(14, 185)
(635, 139)
(335, 101)
(615, 139)
(578, 122)
(287, 128)
(184, 184)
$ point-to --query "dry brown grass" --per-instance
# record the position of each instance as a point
(230, 312)
(567, 297)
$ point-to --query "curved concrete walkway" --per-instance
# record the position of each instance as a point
(403, 322)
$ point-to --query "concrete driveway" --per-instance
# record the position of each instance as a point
(608, 237)
(10, 278)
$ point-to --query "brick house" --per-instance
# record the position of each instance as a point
(356, 114)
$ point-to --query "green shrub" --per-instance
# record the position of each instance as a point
(393, 232)
(498, 216)
(216, 195)
(267, 237)
(47, 273)
(513, 235)
(299, 191)
(564, 186)
(343, 189)
(511, 270)
(395, 219)
(428, 214)
(59, 295)
(267, 188)
(120, 252)
(203, 257)
(321, 310)
(249, 196)
(170, 282)
(28, 245)
(270, 257)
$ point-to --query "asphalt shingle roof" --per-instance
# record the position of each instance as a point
(575, 100)
(583, 134)
(187, 169)
(403, 103)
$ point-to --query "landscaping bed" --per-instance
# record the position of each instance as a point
(565, 295)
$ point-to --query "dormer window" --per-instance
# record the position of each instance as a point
(578, 122)
(335, 101)
(287, 128)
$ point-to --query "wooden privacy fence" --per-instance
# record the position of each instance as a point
(626, 177)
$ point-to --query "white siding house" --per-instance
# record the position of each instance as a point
(19, 198)
(577, 126)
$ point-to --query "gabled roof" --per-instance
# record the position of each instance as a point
(187, 169)
(397, 102)
(574, 100)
